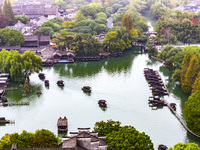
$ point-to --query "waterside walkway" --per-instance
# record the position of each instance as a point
(176, 114)
(180, 119)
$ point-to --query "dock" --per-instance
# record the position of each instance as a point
(163, 102)
(162, 82)
(13, 103)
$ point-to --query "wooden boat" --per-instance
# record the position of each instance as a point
(4, 99)
(162, 147)
(102, 103)
(46, 82)
(41, 75)
(62, 124)
(3, 120)
(87, 88)
(60, 82)
(173, 106)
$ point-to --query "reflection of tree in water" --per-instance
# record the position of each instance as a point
(174, 87)
(166, 72)
(120, 64)
(79, 69)
(16, 95)
(82, 69)
(151, 61)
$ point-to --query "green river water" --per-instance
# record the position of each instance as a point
(120, 81)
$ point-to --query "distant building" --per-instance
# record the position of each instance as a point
(68, 14)
(34, 11)
(36, 41)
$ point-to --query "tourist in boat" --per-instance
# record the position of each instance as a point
(46, 82)
(102, 103)
(87, 88)
(60, 82)
(41, 75)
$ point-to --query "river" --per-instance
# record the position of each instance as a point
(120, 81)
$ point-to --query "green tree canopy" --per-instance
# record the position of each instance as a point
(158, 9)
(31, 63)
(22, 18)
(104, 128)
(40, 139)
(11, 62)
(178, 59)
(185, 146)
(190, 70)
(48, 31)
(192, 112)
(52, 25)
(91, 9)
(56, 20)
(15, 64)
(127, 21)
(117, 39)
(128, 138)
(11, 37)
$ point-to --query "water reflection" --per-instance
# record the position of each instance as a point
(16, 95)
(87, 93)
(62, 134)
(84, 69)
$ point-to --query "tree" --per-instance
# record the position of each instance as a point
(177, 75)
(68, 24)
(117, 39)
(192, 112)
(137, 5)
(127, 21)
(56, 20)
(196, 85)
(3, 21)
(78, 16)
(62, 4)
(45, 139)
(11, 37)
(178, 59)
(185, 146)
(48, 31)
(22, 18)
(8, 12)
(40, 139)
(190, 70)
(104, 128)
(52, 25)
(101, 18)
(158, 9)
(31, 63)
(128, 138)
(168, 33)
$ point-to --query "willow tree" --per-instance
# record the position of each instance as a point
(190, 70)
(31, 63)
(15, 64)
(8, 12)
(10, 61)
